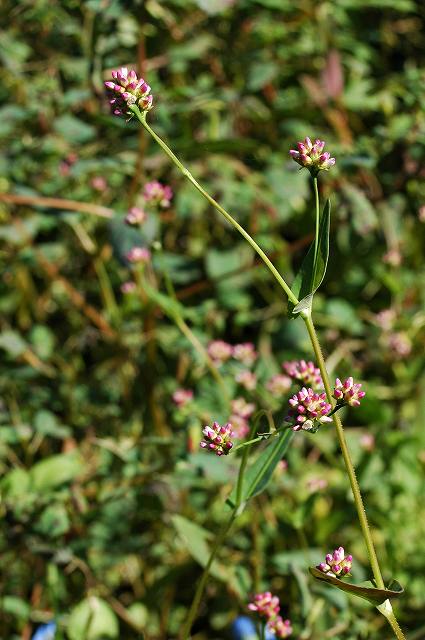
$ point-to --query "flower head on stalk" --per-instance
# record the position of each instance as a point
(280, 627)
(247, 379)
(304, 372)
(135, 216)
(347, 392)
(308, 410)
(243, 408)
(279, 384)
(336, 563)
(265, 604)
(182, 396)
(219, 351)
(125, 90)
(138, 255)
(312, 157)
(245, 353)
(157, 193)
(128, 287)
(217, 439)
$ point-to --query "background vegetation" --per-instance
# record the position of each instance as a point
(103, 486)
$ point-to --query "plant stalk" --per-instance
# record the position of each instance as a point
(185, 632)
(316, 236)
(142, 118)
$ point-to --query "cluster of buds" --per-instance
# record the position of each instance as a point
(245, 353)
(311, 156)
(241, 411)
(279, 384)
(219, 351)
(308, 410)
(158, 194)
(306, 373)
(218, 439)
(246, 379)
(348, 392)
(138, 255)
(128, 287)
(126, 89)
(135, 216)
(267, 606)
(182, 396)
(336, 563)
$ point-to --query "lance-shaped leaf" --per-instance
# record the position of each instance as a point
(371, 594)
(259, 474)
(310, 276)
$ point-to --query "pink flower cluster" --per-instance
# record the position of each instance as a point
(157, 193)
(336, 564)
(182, 396)
(311, 156)
(266, 605)
(135, 216)
(126, 89)
(220, 351)
(138, 255)
(304, 372)
(347, 392)
(218, 439)
(241, 411)
(246, 379)
(308, 410)
(279, 384)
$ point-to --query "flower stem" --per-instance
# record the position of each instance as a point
(185, 632)
(358, 500)
(263, 631)
(316, 236)
(346, 455)
(142, 118)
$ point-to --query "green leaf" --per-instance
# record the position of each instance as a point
(55, 470)
(259, 474)
(371, 594)
(310, 276)
(92, 619)
(195, 538)
(12, 342)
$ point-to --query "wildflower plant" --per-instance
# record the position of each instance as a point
(315, 402)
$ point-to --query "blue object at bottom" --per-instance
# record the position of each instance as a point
(45, 632)
(243, 628)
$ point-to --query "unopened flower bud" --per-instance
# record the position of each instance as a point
(126, 89)
(347, 392)
(135, 216)
(337, 563)
(311, 156)
(217, 439)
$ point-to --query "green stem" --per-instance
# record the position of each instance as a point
(387, 611)
(316, 236)
(346, 455)
(142, 118)
(185, 632)
(184, 635)
(263, 631)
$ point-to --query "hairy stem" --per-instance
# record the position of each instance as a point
(142, 118)
(316, 236)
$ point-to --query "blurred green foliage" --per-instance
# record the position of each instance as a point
(108, 507)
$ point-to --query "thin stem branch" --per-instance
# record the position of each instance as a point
(316, 236)
(185, 632)
(142, 118)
